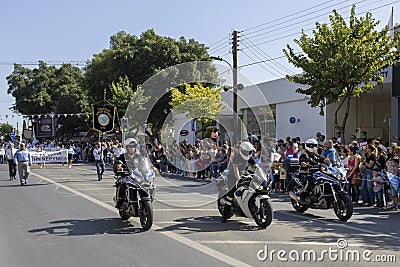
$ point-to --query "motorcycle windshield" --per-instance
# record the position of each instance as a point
(143, 169)
(259, 178)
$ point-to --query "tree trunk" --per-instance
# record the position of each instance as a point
(346, 114)
(337, 111)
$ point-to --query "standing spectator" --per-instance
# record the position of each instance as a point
(10, 158)
(367, 190)
(222, 160)
(331, 153)
(290, 150)
(23, 160)
(378, 181)
(353, 174)
(2, 153)
(394, 190)
(99, 159)
(339, 137)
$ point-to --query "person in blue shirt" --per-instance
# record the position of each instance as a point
(23, 160)
(331, 153)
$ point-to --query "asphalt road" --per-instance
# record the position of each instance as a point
(65, 217)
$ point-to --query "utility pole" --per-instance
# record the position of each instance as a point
(236, 129)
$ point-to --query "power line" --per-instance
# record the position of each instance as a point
(266, 62)
(285, 36)
(249, 35)
(215, 44)
(268, 56)
(260, 65)
(258, 62)
(288, 16)
(34, 63)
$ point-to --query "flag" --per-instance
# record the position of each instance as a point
(390, 23)
(394, 180)
(103, 117)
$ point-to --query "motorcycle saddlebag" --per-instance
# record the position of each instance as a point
(291, 165)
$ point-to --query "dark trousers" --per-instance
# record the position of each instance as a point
(100, 168)
(12, 168)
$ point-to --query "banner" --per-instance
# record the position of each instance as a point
(45, 127)
(103, 117)
(49, 156)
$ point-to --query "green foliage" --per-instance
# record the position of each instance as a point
(198, 101)
(48, 89)
(123, 94)
(341, 60)
(5, 129)
(138, 58)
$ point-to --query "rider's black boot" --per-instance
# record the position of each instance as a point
(227, 211)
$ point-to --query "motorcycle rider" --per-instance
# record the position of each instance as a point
(124, 163)
(306, 160)
(242, 158)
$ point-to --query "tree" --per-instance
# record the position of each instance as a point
(5, 130)
(48, 89)
(123, 95)
(198, 102)
(342, 61)
(138, 59)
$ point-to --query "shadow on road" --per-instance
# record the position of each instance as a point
(206, 224)
(88, 227)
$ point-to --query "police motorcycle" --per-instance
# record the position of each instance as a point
(135, 191)
(328, 189)
(251, 197)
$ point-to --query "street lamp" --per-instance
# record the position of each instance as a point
(235, 98)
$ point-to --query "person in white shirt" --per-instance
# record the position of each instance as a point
(12, 167)
(99, 159)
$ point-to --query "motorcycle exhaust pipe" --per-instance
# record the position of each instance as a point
(294, 196)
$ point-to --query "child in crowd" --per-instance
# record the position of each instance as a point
(378, 181)
(394, 164)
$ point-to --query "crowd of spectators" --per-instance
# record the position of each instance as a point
(371, 166)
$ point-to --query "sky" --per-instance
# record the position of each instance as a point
(57, 31)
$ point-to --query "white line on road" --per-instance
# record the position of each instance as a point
(185, 209)
(288, 243)
(190, 243)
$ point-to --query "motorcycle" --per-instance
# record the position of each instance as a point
(250, 197)
(135, 192)
(328, 189)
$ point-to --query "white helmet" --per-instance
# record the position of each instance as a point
(130, 142)
(311, 145)
(246, 149)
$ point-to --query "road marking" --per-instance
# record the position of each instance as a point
(288, 243)
(339, 223)
(185, 209)
(96, 188)
(186, 241)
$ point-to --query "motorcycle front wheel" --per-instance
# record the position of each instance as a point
(146, 216)
(123, 213)
(221, 209)
(263, 215)
(343, 207)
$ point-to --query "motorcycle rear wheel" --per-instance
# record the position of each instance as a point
(263, 215)
(343, 207)
(295, 188)
(146, 216)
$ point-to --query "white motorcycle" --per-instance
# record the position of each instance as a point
(251, 197)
